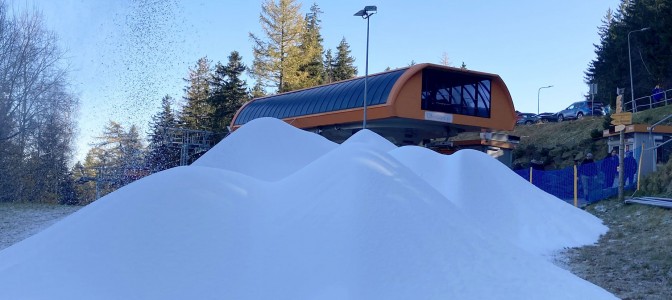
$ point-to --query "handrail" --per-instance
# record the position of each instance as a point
(667, 100)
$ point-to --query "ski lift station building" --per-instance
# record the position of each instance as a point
(424, 104)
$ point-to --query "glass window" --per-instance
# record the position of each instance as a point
(455, 93)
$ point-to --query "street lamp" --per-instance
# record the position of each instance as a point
(632, 91)
(365, 13)
(538, 91)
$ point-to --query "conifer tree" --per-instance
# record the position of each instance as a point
(162, 154)
(312, 49)
(277, 54)
(116, 159)
(328, 67)
(197, 112)
(344, 67)
(230, 91)
(257, 91)
(650, 50)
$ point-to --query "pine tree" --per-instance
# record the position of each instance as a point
(131, 163)
(277, 57)
(650, 50)
(257, 91)
(344, 63)
(162, 154)
(328, 67)
(311, 50)
(197, 113)
(604, 60)
(230, 92)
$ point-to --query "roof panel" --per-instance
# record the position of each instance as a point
(385, 92)
(355, 94)
(284, 108)
(377, 84)
(310, 94)
(332, 97)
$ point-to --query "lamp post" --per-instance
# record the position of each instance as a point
(366, 13)
(632, 91)
(538, 91)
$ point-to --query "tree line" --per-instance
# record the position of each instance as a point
(650, 50)
(37, 112)
(288, 55)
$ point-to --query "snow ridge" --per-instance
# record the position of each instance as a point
(273, 212)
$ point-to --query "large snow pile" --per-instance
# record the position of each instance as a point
(273, 212)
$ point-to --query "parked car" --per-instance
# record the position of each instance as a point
(580, 109)
(526, 118)
(547, 117)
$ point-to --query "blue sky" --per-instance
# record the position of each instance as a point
(125, 55)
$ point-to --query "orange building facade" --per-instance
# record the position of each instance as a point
(418, 105)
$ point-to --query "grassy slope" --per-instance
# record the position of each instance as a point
(633, 260)
(558, 145)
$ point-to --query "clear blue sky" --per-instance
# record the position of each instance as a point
(126, 54)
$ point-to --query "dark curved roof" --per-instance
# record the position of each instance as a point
(326, 98)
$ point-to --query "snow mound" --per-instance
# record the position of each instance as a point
(355, 221)
(506, 205)
(371, 140)
(267, 149)
(171, 235)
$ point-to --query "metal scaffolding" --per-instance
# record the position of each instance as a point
(191, 142)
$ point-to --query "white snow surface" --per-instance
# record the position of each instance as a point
(273, 212)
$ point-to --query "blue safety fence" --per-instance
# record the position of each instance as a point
(586, 183)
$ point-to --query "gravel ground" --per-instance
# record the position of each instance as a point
(21, 220)
(633, 260)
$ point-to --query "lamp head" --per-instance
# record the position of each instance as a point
(367, 11)
(645, 29)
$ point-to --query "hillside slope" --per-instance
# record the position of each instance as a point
(558, 145)
(632, 260)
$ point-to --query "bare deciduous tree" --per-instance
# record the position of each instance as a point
(36, 111)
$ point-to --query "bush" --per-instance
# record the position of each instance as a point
(660, 182)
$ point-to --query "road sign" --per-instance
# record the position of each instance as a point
(593, 88)
(621, 118)
(619, 128)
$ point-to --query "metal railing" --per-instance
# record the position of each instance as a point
(647, 102)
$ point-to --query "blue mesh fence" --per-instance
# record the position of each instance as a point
(594, 180)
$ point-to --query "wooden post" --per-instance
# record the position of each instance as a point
(639, 166)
